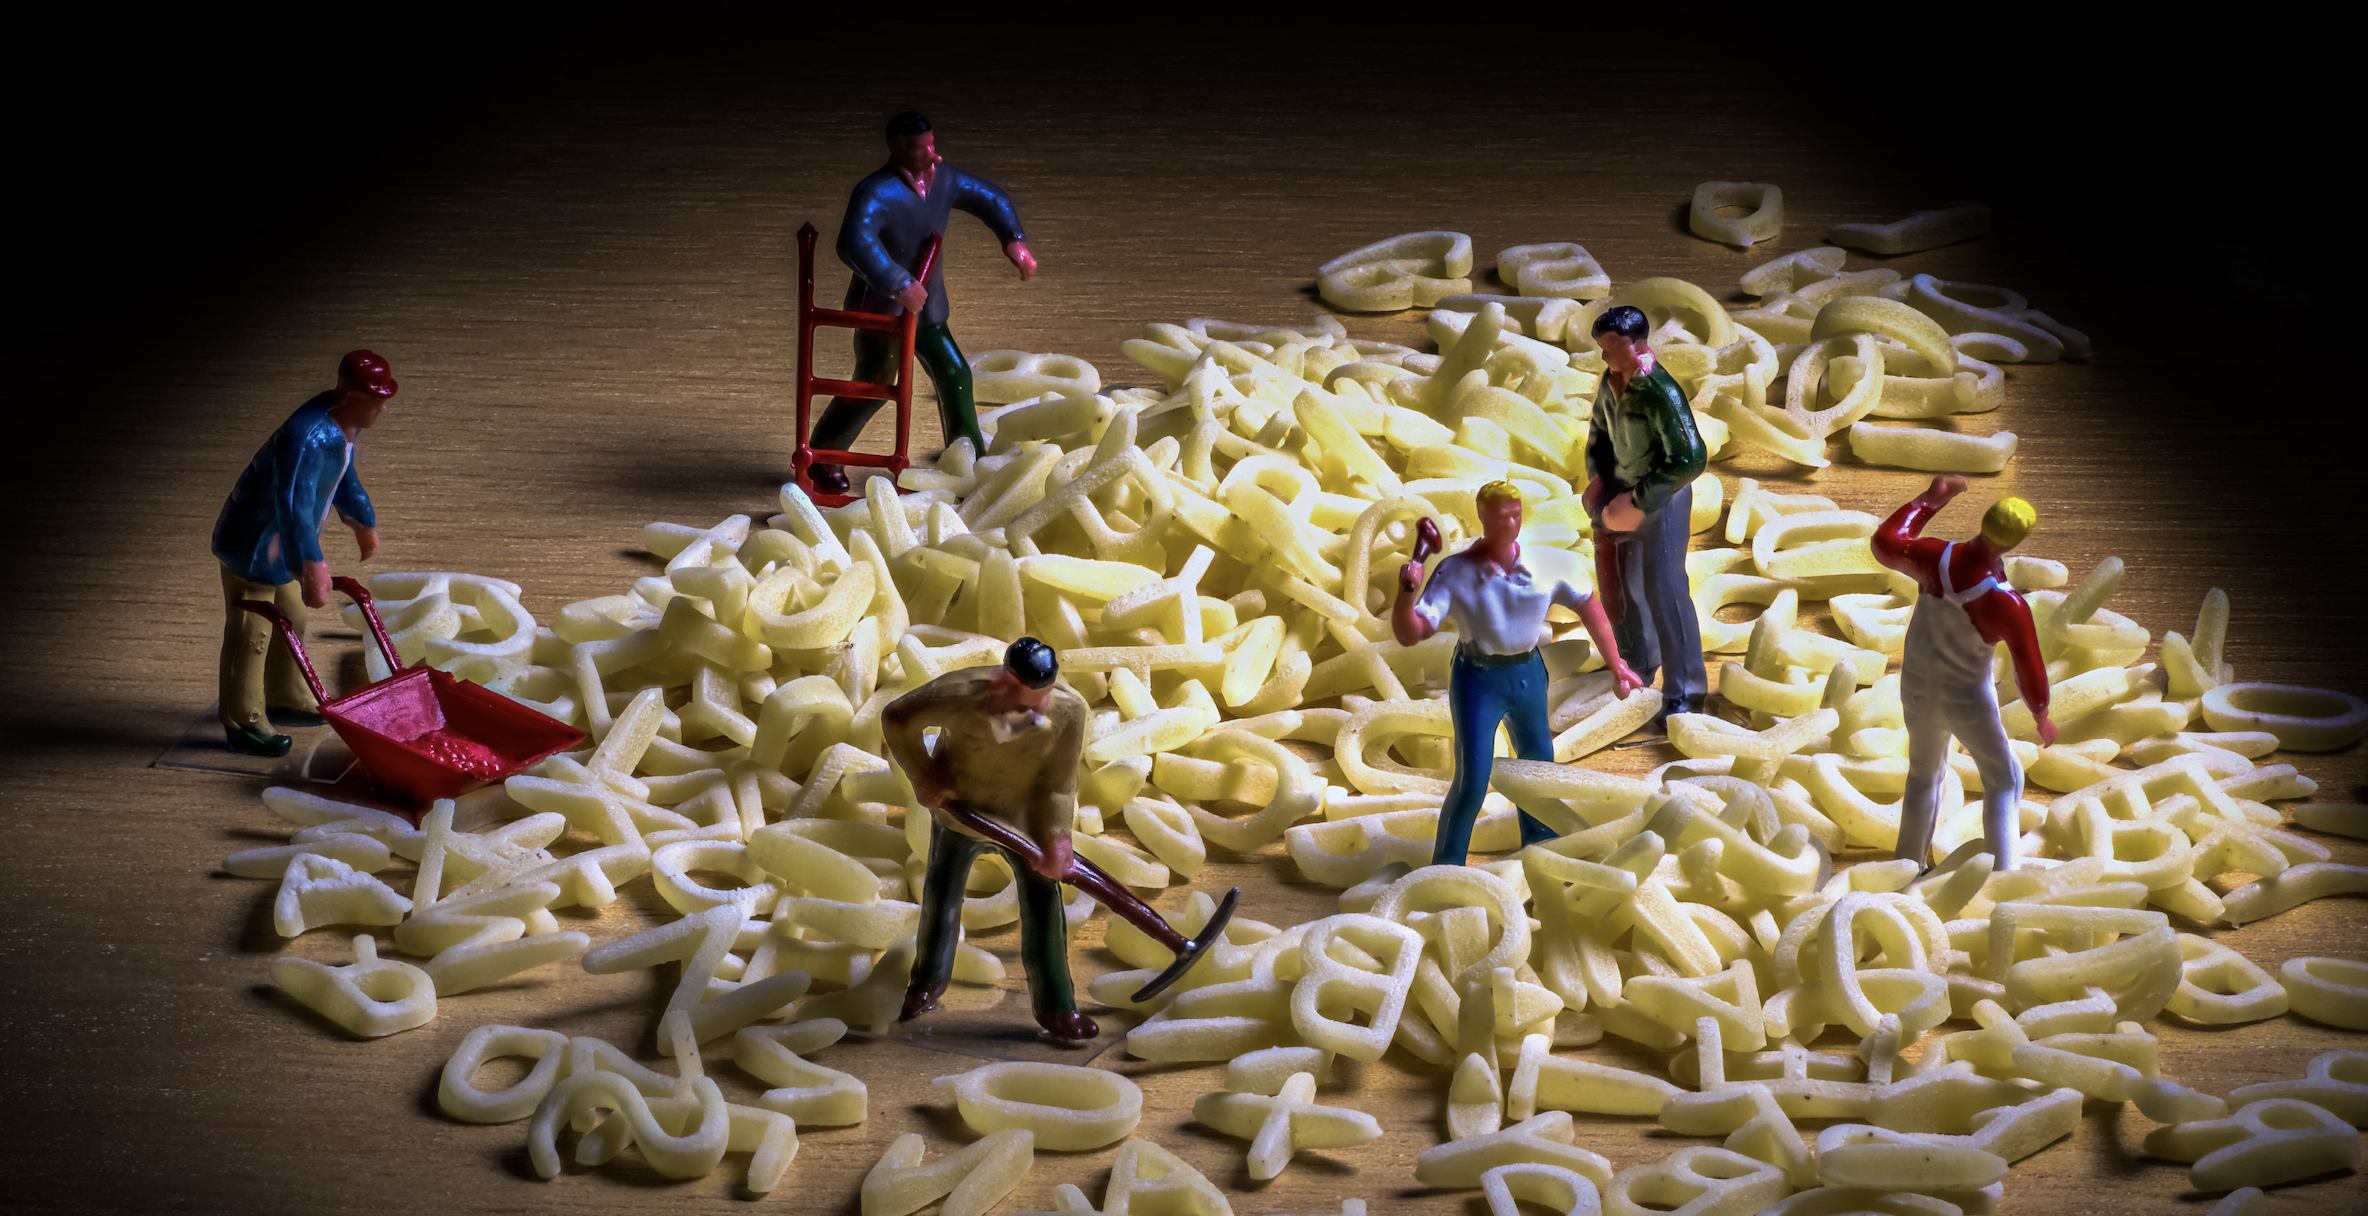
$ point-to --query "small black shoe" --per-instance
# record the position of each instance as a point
(828, 478)
(282, 715)
(250, 741)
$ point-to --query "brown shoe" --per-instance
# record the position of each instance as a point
(828, 478)
(1067, 1025)
(919, 1000)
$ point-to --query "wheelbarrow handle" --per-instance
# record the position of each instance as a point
(1125, 904)
(362, 600)
(287, 630)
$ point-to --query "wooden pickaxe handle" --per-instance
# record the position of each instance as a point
(1426, 539)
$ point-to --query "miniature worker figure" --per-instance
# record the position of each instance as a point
(1945, 689)
(269, 541)
(890, 217)
(1005, 765)
(1499, 609)
(1643, 455)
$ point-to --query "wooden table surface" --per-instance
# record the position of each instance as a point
(576, 250)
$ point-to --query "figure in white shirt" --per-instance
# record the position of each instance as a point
(1499, 610)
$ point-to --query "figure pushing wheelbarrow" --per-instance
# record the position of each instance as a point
(1004, 773)
(421, 730)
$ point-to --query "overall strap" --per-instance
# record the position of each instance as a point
(1948, 592)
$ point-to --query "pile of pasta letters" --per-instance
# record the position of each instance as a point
(1212, 558)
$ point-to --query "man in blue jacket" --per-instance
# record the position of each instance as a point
(890, 216)
(269, 542)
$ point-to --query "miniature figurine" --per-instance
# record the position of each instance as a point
(1945, 686)
(1004, 773)
(1005, 765)
(1498, 675)
(268, 540)
(1643, 455)
(890, 216)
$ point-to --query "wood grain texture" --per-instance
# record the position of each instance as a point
(579, 260)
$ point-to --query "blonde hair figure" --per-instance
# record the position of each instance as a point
(2008, 521)
(1498, 610)
(1945, 688)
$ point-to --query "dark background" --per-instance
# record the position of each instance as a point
(180, 174)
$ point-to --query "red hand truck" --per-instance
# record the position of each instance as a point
(811, 318)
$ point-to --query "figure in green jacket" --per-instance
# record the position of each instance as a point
(1643, 454)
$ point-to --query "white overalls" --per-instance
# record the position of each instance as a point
(1945, 690)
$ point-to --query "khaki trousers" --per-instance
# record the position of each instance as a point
(257, 670)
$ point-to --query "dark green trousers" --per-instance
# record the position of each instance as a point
(1044, 931)
(875, 356)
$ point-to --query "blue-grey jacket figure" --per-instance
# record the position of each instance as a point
(890, 217)
(271, 524)
(268, 539)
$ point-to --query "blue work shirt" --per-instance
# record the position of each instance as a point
(886, 225)
(284, 496)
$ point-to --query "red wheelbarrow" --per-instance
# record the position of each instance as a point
(420, 730)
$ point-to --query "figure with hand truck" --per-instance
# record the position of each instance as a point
(891, 216)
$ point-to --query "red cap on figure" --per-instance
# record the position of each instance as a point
(363, 370)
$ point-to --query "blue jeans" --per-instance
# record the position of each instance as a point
(1481, 694)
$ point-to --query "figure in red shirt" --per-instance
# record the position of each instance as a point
(1966, 608)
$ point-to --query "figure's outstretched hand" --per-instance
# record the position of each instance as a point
(1947, 486)
(316, 584)
(1056, 860)
(2047, 730)
(1017, 251)
(366, 538)
(914, 297)
(1624, 678)
(1410, 577)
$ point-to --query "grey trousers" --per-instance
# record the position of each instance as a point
(1657, 628)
